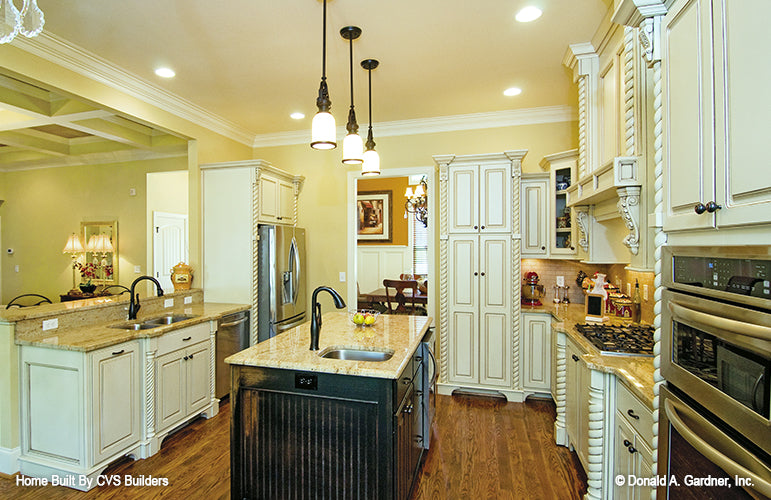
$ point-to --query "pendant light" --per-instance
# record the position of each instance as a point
(353, 146)
(371, 164)
(323, 126)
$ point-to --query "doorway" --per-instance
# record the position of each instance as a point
(170, 245)
(368, 264)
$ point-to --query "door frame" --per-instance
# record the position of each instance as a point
(353, 177)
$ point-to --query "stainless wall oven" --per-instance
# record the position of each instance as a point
(714, 425)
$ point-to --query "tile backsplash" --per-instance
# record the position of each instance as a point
(548, 270)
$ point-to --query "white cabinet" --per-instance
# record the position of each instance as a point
(577, 401)
(562, 225)
(479, 309)
(276, 200)
(715, 108)
(480, 198)
(632, 453)
(182, 375)
(79, 411)
(536, 352)
(534, 215)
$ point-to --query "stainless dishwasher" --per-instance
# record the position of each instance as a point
(232, 337)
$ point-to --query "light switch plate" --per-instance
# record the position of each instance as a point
(137, 269)
(168, 303)
(50, 324)
(645, 292)
(342, 277)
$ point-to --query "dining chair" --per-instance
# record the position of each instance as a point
(399, 303)
(28, 300)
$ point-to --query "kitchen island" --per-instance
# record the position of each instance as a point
(306, 425)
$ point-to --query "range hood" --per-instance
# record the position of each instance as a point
(617, 181)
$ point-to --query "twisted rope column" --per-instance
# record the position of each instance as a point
(582, 126)
(516, 272)
(253, 322)
(444, 306)
(629, 91)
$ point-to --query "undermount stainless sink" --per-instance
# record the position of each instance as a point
(167, 320)
(134, 326)
(356, 354)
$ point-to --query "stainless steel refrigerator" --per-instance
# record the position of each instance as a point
(281, 296)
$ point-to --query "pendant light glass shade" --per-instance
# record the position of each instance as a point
(353, 149)
(323, 133)
(371, 164)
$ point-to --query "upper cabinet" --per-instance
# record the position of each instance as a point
(480, 197)
(277, 196)
(716, 104)
(534, 215)
(562, 225)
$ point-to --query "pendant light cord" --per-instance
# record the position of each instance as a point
(350, 67)
(324, 45)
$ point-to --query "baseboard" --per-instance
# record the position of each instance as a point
(9, 460)
(512, 396)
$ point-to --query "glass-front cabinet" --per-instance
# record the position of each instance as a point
(562, 224)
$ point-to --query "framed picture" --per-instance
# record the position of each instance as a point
(373, 211)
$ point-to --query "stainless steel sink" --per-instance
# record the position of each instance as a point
(167, 320)
(134, 326)
(356, 354)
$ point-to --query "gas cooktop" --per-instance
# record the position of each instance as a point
(630, 340)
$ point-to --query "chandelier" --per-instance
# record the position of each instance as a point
(29, 22)
(417, 202)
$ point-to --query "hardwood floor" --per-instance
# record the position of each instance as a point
(480, 449)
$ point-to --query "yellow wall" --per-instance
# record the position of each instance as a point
(322, 204)
(399, 225)
(42, 207)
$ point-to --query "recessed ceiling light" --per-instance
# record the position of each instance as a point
(297, 116)
(527, 14)
(165, 72)
(512, 91)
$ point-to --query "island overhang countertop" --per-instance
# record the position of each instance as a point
(290, 349)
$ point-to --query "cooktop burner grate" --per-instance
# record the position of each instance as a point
(636, 340)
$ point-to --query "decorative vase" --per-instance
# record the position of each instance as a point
(87, 288)
(181, 276)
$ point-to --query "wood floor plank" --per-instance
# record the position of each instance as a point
(480, 449)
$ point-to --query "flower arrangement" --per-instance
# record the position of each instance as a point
(87, 271)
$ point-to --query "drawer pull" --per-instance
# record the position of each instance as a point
(575, 358)
(631, 413)
(406, 381)
(119, 352)
(186, 339)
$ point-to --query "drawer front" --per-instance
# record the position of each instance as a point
(635, 412)
(184, 337)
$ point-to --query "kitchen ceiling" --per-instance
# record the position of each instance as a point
(253, 62)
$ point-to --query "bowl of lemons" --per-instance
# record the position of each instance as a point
(364, 317)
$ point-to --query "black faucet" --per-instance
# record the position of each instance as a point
(316, 314)
(134, 302)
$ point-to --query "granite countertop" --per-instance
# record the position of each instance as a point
(635, 372)
(290, 349)
(89, 338)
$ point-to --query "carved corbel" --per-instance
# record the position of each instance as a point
(582, 220)
(650, 40)
(629, 208)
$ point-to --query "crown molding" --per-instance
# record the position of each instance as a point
(68, 55)
(496, 119)
(123, 156)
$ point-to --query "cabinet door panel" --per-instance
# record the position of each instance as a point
(269, 196)
(116, 401)
(463, 263)
(495, 199)
(495, 349)
(286, 202)
(463, 347)
(198, 387)
(536, 357)
(463, 201)
(688, 121)
(623, 461)
(534, 218)
(741, 92)
(495, 263)
(170, 389)
(58, 387)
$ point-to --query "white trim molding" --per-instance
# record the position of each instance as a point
(9, 460)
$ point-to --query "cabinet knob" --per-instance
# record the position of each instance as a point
(186, 358)
(483, 274)
(631, 413)
(700, 208)
(476, 227)
(483, 227)
(575, 358)
(631, 449)
(476, 273)
(627, 443)
(543, 248)
(713, 207)
(572, 248)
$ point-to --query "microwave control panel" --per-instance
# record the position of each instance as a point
(740, 276)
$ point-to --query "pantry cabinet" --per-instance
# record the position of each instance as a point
(480, 198)
(715, 108)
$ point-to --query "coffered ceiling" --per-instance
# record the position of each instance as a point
(250, 63)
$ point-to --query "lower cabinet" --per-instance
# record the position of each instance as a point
(536, 352)
(577, 401)
(79, 410)
(632, 456)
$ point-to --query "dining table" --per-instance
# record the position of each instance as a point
(378, 297)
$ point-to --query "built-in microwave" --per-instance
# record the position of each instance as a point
(716, 359)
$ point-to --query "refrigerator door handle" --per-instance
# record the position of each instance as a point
(294, 258)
